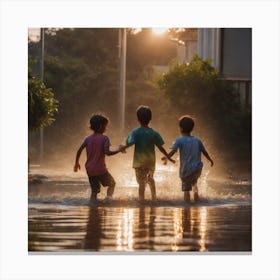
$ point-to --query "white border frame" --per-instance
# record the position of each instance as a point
(17, 16)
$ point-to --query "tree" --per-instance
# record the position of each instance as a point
(199, 90)
(42, 106)
(82, 68)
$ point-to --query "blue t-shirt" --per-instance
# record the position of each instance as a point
(190, 148)
(145, 139)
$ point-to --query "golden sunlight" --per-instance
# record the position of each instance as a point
(160, 31)
(125, 238)
(178, 229)
(34, 34)
(203, 229)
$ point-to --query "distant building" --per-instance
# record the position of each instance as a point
(186, 52)
(230, 50)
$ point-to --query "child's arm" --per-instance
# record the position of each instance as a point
(124, 147)
(168, 156)
(77, 164)
(208, 157)
(108, 152)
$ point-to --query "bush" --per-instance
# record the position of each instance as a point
(42, 105)
(199, 90)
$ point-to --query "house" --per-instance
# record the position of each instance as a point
(230, 50)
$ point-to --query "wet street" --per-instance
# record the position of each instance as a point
(62, 219)
(54, 228)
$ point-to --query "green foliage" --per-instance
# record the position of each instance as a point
(196, 87)
(82, 68)
(199, 90)
(42, 106)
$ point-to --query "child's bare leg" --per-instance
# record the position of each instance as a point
(95, 187)
(93, 196)
(187, 196)
(195, 193)
(152, 185)
(110, 191)
(141, 191)
(153, 189)
(141, 178)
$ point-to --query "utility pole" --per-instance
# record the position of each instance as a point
(42, 48)
(122, 63)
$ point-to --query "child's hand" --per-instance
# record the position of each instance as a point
(122, 149)
(164, 159)
(211, 162)
(172, 160)
(77, 167)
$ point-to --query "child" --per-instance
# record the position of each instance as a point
(145, 139)
(190, 148)
(97, 146)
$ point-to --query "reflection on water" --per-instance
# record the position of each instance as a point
(54, 228)
(125, 231)
(60, 218)
(202, 229)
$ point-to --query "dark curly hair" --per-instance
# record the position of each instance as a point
(186, 123)
(144, 114)
(98, 122)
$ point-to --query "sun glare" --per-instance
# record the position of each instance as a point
(159, 31)
(34, 34)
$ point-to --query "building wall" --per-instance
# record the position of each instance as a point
(185, 53)
(181, 54)
(191, 50)
(236, 53)
(230, 50)
(209, 45)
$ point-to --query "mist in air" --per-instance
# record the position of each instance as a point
(112, 71)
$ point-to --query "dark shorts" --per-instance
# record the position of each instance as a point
(191, 180)
(143, 175)
(106, 180)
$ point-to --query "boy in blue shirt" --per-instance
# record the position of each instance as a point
(144, 139)
(190, 148)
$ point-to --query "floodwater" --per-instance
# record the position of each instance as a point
(62, 219)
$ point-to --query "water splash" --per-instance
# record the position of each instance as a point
(204, 183)
(74, 189)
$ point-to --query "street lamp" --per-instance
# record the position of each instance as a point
(42, 48)
(122, 63)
